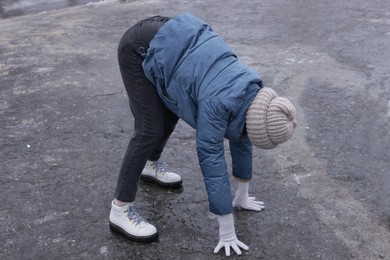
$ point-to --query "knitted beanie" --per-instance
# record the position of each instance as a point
(270, 119)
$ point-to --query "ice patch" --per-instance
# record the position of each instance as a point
(42, 70)
(27, 3)
(388, 107)
(104, 250)
(382, 21)
(103, 2)
(298, 178)
(4, 70)
(50, 217)
(4, 105)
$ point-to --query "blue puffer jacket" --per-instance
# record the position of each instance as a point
(200, 79)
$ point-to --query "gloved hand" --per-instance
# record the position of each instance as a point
(227, 235)
(247, 202)
(242, 199)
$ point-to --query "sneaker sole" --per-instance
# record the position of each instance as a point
(140, 239)
(172, 185)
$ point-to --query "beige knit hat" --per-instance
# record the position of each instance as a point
(270, 119)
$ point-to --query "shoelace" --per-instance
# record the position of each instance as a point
(134, 216)
(161, 167)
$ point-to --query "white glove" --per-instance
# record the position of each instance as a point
(227, 235)
(248, 203)
(242, 199)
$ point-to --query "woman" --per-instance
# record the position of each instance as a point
(179, 68)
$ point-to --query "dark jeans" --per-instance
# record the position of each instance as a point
(153, 122)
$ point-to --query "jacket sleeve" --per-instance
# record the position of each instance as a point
(211, 126)
(241, 152)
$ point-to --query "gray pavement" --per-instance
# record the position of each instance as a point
(65, 124)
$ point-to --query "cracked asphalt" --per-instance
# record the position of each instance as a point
(65, 125)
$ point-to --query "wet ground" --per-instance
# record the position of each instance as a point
(65, 124)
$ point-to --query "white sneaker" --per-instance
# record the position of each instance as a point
(159, 173)
(126, 221)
